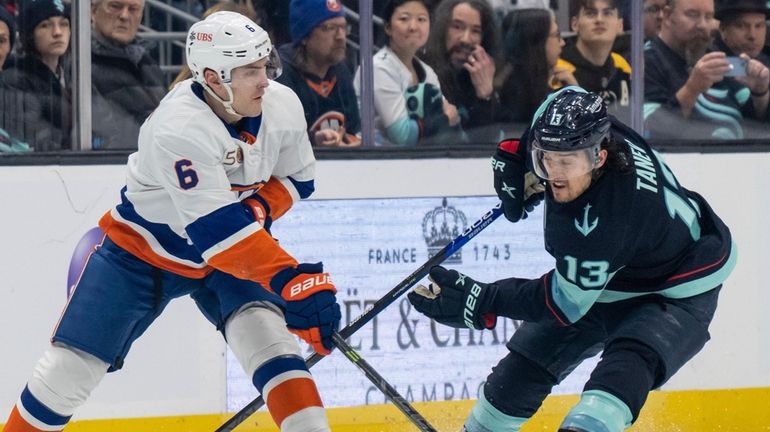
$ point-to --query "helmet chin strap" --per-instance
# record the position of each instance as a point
(228, 104)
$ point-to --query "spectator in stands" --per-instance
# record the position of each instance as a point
(687, 94)
(462, 49)
(743, 28)
(597, 24)
(408, 104)
(531, 46)
(652, 17)
(37, 83)
(227, 6)
(7, 35)
(127, 83)
(313, 66)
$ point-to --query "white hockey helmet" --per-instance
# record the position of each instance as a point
(227, 40)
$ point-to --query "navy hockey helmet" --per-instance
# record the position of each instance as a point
(570, 121)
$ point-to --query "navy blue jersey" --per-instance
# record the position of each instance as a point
(629, 234)
(329, 102)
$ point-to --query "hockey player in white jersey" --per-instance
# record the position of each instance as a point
(224, 155)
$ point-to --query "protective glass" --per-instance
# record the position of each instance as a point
(564, 165)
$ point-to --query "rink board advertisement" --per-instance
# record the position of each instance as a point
(369, 246)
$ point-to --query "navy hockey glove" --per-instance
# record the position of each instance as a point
(518, 189)
(312, 312)
(456, 300)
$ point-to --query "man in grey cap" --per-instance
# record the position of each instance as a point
(743, 28)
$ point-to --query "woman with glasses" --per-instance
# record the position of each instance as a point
(532, 45)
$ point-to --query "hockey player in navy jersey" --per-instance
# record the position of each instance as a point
(224, 155)
(640, 261)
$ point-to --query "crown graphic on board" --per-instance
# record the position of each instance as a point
(442, 225)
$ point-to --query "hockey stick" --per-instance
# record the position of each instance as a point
(380, 382)
(382, 303)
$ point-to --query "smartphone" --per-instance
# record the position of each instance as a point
(739, 67)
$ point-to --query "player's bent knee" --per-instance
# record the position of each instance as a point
(257, 333)
(64, 378)
(598, 411)
(485, 417)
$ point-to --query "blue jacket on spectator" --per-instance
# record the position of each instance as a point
(323, 98)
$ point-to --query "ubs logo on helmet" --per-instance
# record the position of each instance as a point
(203, 37)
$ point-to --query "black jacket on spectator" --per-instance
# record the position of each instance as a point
(478, 118)
(718, 113)
(719, 45)
(127, 86)
(612, 80)
(39, 107)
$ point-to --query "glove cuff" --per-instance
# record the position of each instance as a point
(488, 320)
(510, 145)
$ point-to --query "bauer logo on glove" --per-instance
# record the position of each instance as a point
(305, 286)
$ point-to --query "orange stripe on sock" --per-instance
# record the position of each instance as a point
(16, 423)
(292, 396)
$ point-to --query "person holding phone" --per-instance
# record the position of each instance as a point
(743, 29)
(689, 92)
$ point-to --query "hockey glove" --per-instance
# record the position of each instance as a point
(425, 104)
(456, 300)
(312, 312)
(259, 209)
(519, 190)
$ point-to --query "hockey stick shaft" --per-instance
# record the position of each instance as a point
(389, 391)
(382, 303)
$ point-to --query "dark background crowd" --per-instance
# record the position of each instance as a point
(445, 71)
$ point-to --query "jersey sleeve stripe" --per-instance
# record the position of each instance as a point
(304, 188)
(278, 196)
(210, 231)
(257, 257)
(241, 188)
(127, 237)
(561, 319)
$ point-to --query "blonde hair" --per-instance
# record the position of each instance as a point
(243, 7)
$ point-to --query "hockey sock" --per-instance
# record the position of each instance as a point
(598, 411)
(30, 415)
(258, 337)
(486, 418)
(291, 395)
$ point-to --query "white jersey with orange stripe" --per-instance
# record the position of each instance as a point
(181, 208)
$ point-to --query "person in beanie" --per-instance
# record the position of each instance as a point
(7, 35)
(314, 68)
(38, 82)
(127, 82)
(743, 28)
